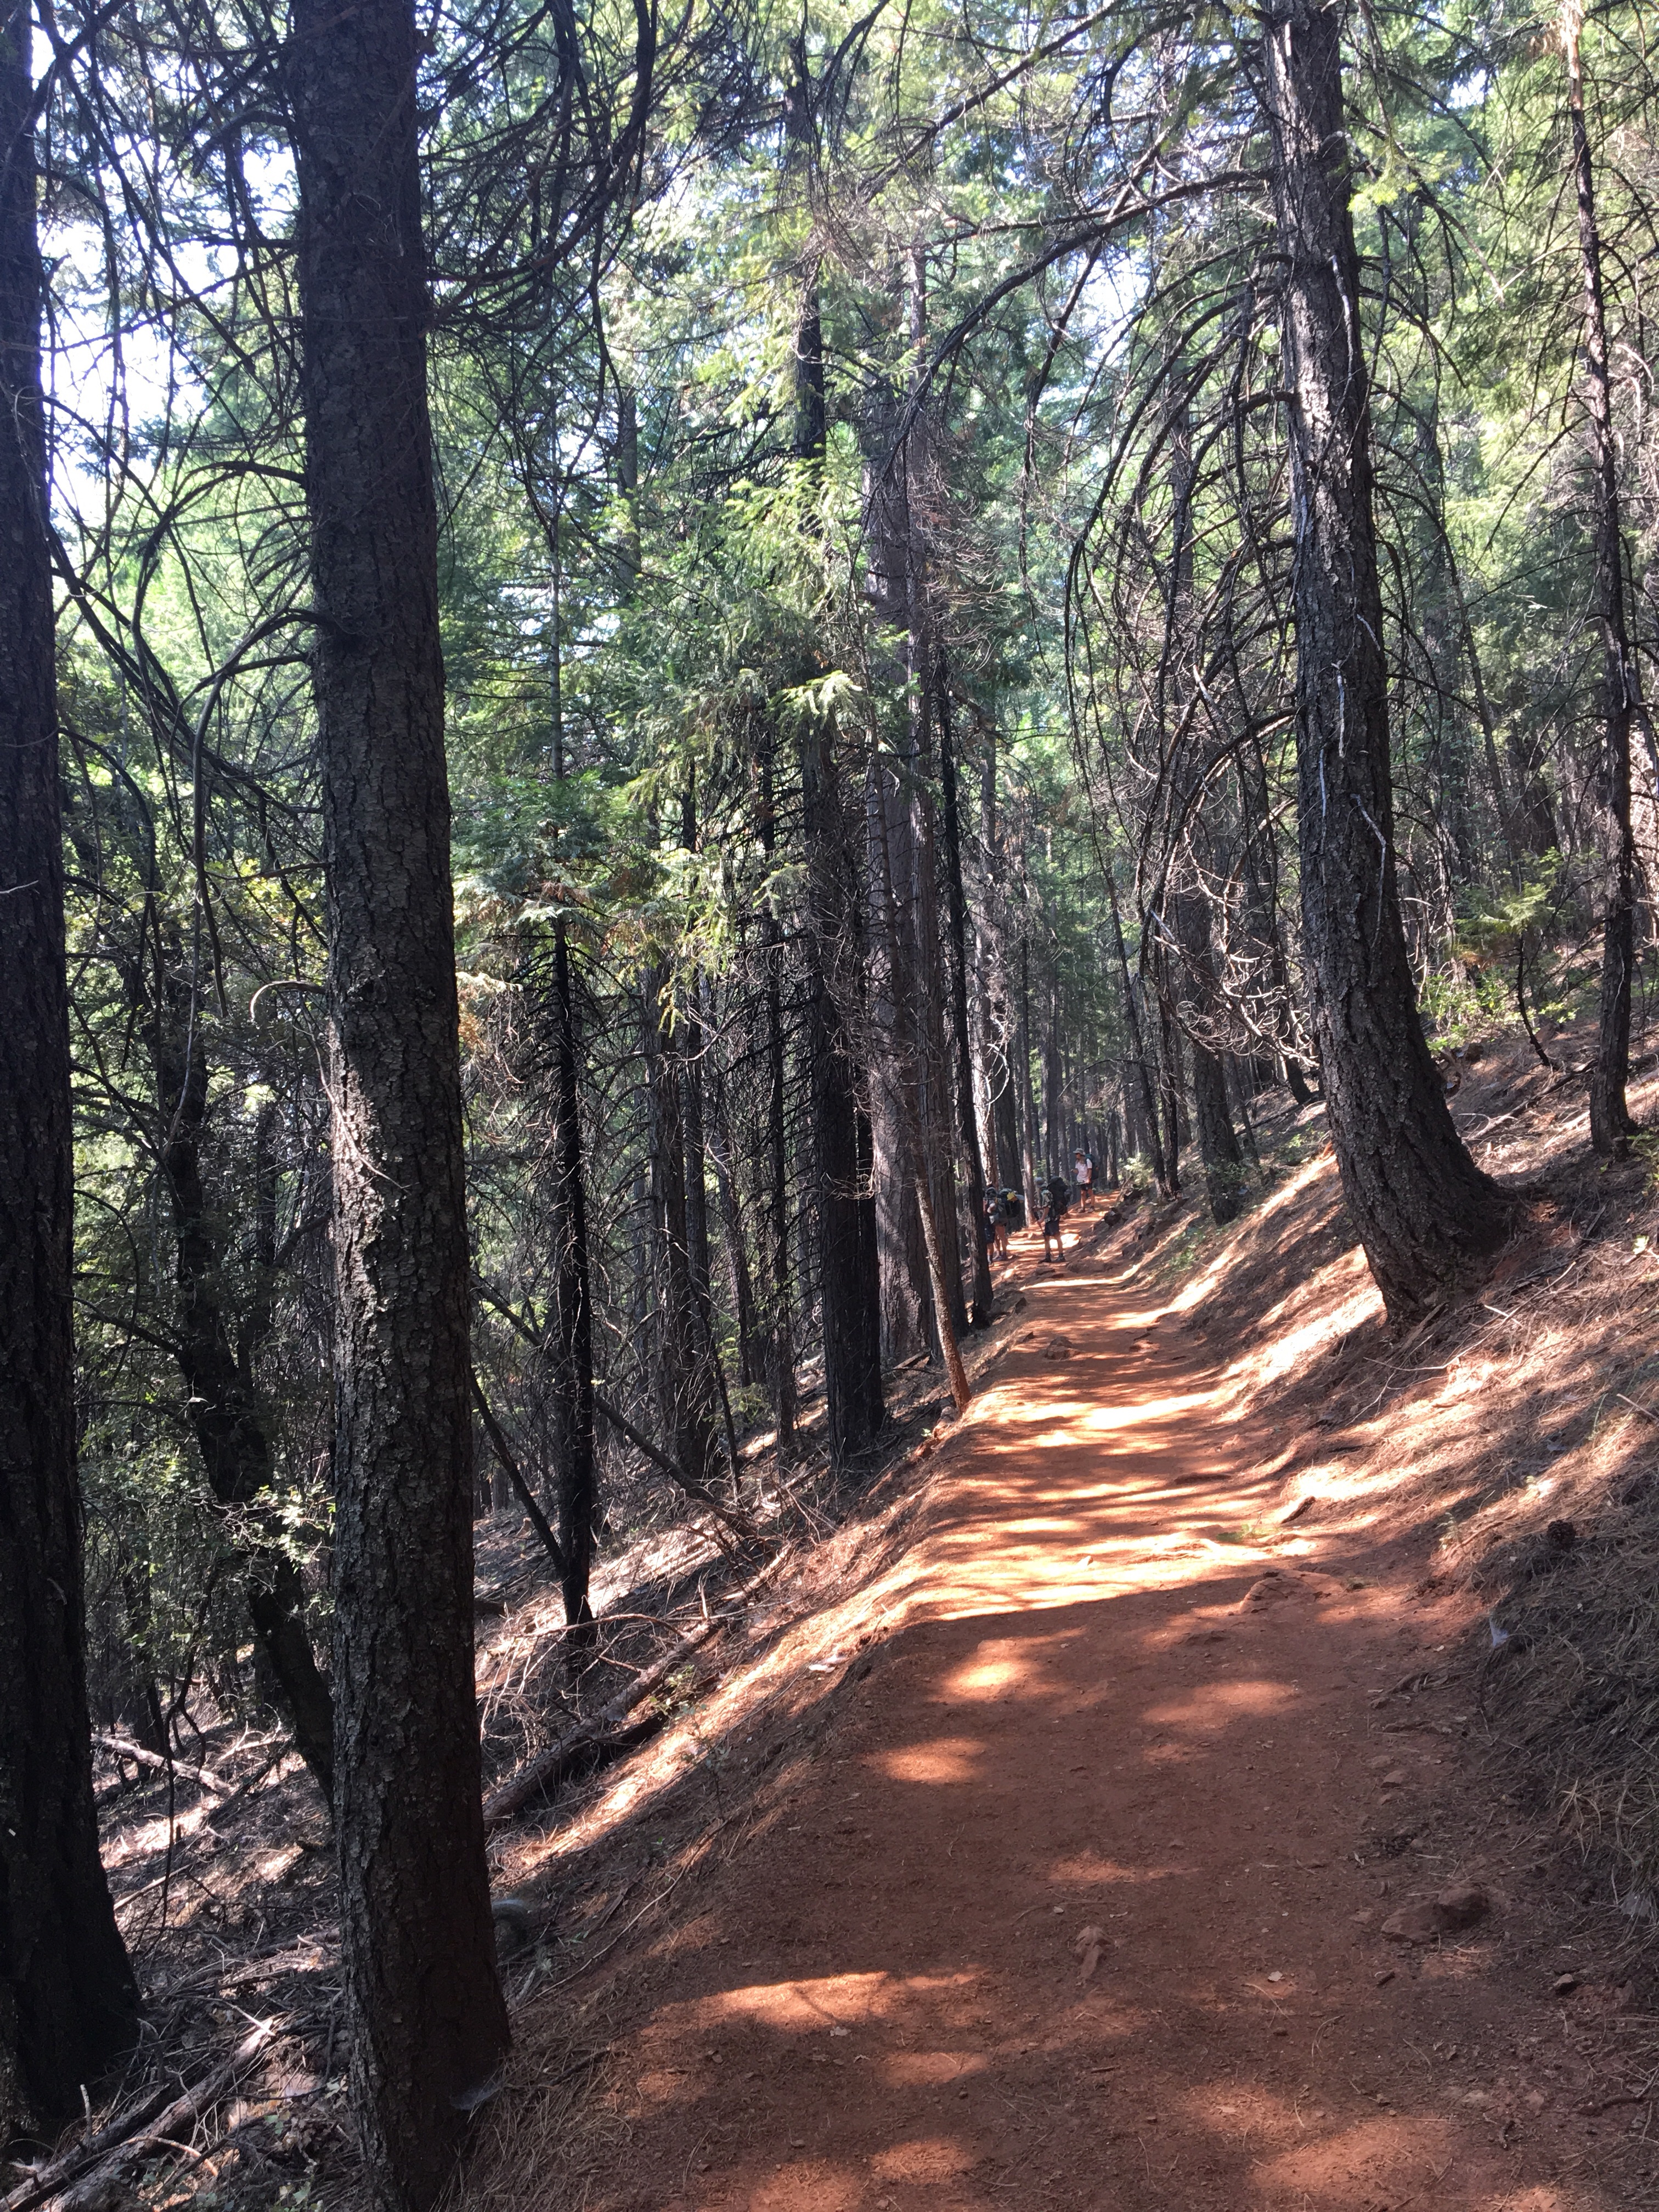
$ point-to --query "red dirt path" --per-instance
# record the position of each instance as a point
(1078, 1719)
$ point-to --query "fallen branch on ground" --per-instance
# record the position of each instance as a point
(203, 1776)
(542, 1771)
(88, 2168)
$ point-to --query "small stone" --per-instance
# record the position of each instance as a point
(1397, 1780)
(1563, 1985)
(1464, 1903)
(1387, 1975)
(1432, 1917)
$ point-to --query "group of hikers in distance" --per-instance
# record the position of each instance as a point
(1057, 1200)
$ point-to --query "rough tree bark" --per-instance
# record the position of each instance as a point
(1611, 1125)
(424, 2011)
(68, 2002)
(1424, 1213)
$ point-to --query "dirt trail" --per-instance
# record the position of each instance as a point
(1078, 1719)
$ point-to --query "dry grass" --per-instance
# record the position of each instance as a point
(1572, 1697)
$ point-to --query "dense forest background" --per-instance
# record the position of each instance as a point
(1008, 580)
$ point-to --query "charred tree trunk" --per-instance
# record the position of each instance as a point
(68, 2002)
(1424, 1213)
(414, 1886)
(1611, 1125)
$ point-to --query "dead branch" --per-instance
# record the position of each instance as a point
(89, 2189)
(738, 1523)
(526, 1498)
(203, 1776)
(598, 1727)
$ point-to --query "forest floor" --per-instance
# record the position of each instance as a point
(1032, 1838)
(1048, 1857)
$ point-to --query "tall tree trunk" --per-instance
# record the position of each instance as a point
(1424, 1212)
(842, 1153)
(777, 1151)
(1218, 1142)
(902, 1079)
(225, 1415)
(1027, 1101)
(1261, 892)
(893, 823)
(1138, 1075)
(68, 2002)
(696, 1143)
(684, 1377)
(1002, 1148)
(414, 1886)
(973, 1149)
(752, 1355)
(574, 1458)
(1156, 992)
(1611, 1125)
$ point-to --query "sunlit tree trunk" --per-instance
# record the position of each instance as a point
(426, 2040)
(1424, 1213)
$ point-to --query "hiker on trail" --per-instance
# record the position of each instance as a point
(987, 1224)
(1084, 1168)
(997, 1203)
(1059, 1198)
